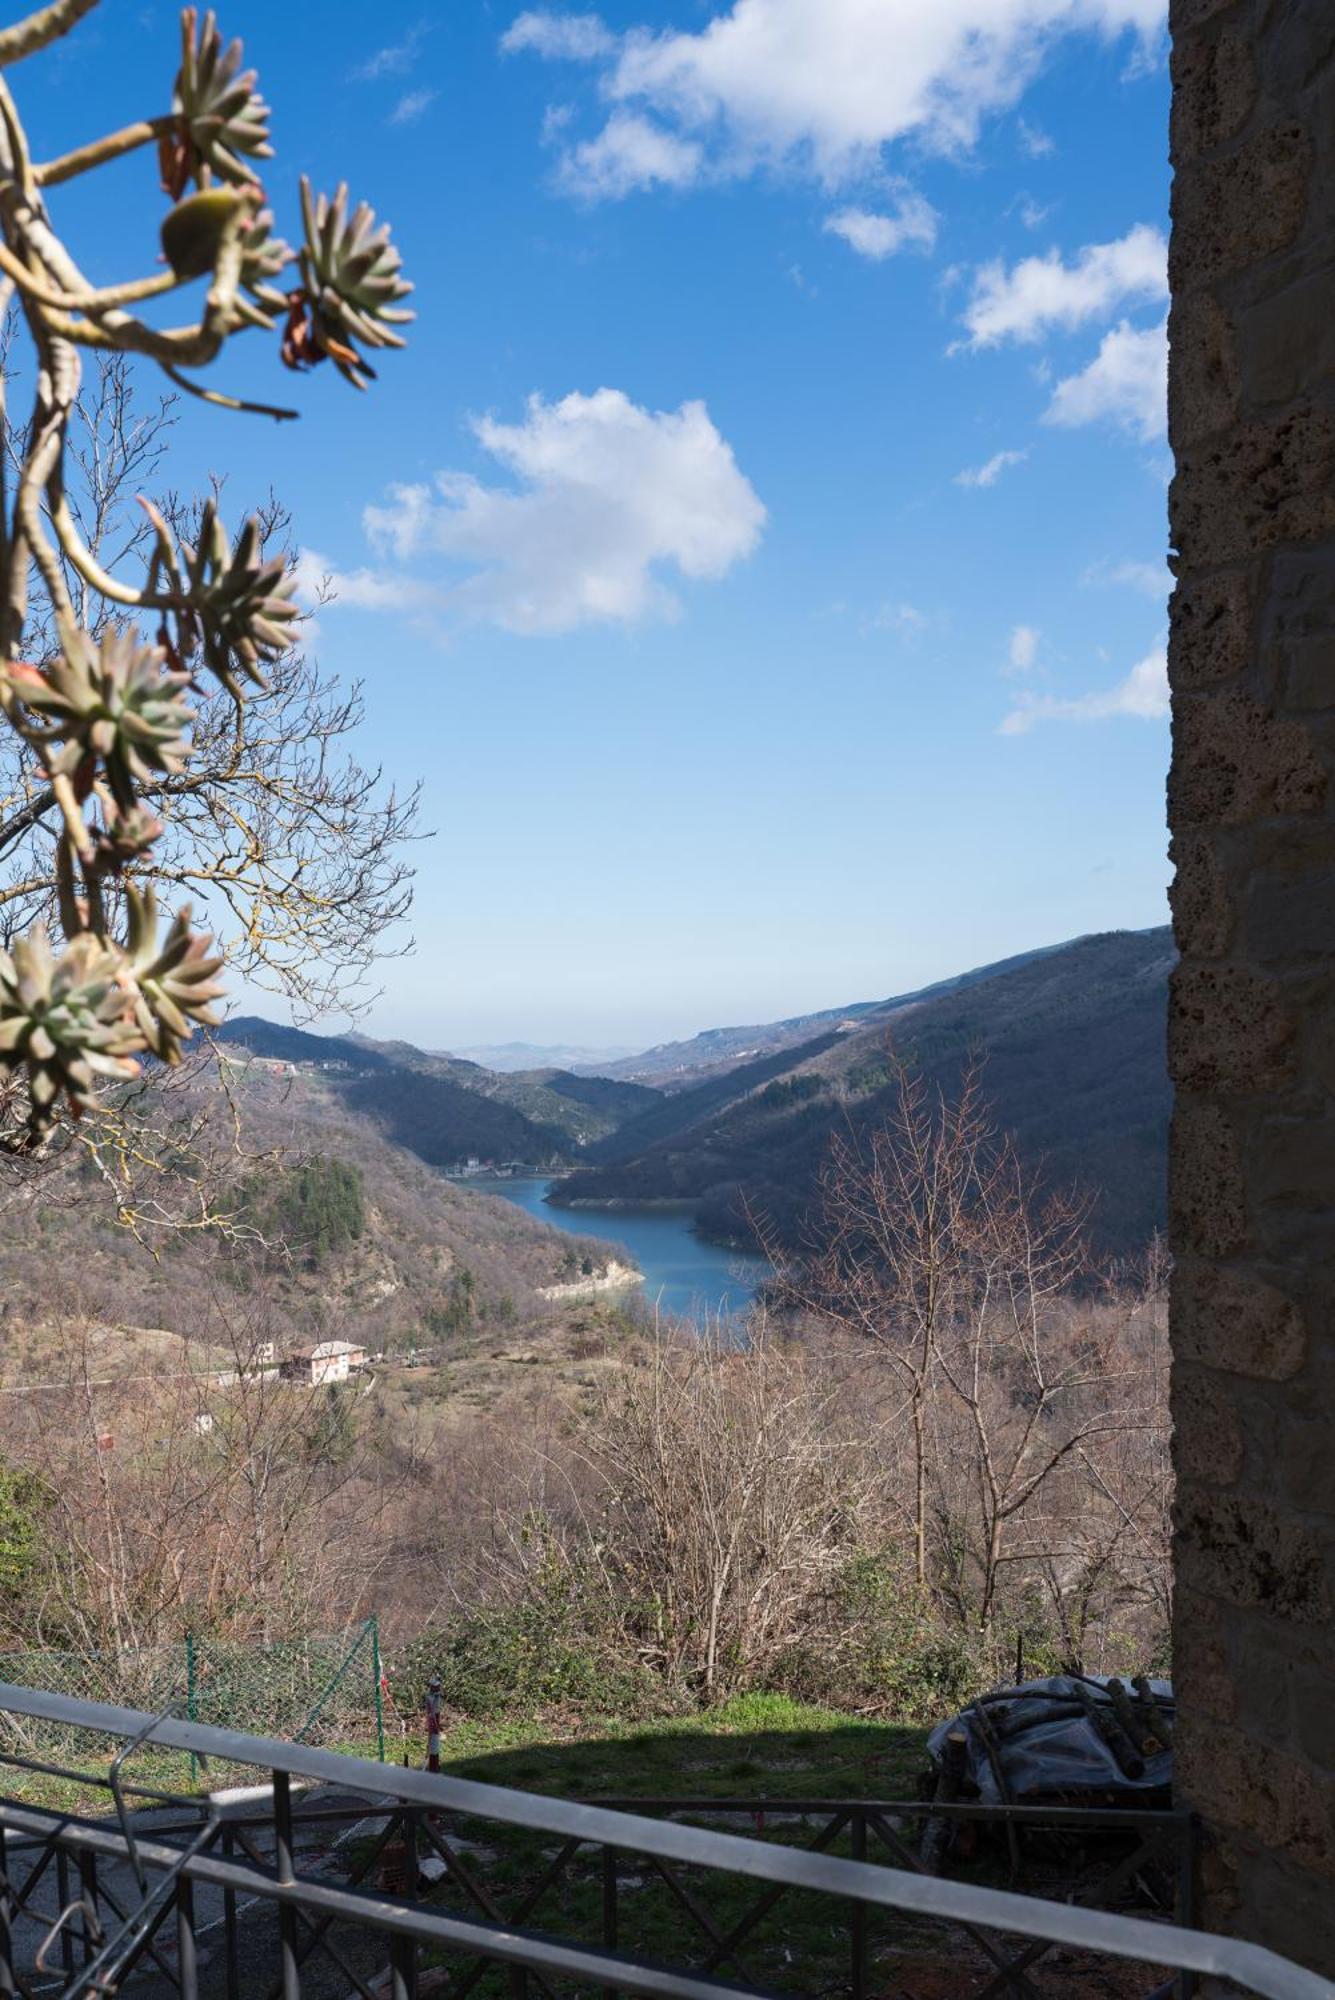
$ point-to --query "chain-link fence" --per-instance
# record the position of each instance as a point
(327, 1690)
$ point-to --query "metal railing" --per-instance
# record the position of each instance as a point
(241, 1855)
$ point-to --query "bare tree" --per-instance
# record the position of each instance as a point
(932, 1244)
(887, 1256)
(202, 1491)
(728, 1490)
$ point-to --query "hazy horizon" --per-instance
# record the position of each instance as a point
(512, 1021)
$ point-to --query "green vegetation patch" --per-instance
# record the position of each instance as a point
(754, 1749)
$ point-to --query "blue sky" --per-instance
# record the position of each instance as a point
(758, 550)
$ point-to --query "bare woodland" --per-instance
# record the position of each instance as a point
(942, 1440)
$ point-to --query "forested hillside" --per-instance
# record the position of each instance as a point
(1073, 1041)
(323, 1228)
(445, 1109)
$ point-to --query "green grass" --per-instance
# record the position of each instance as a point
(759, 1744)
(753, 1748)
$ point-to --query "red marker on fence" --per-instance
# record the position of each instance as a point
(433, 1723)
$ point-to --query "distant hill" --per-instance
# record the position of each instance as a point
(1074, 1043)
(678, 1065)
(507, 1056)
(445, 1109)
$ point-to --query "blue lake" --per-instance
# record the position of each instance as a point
(683, 1274)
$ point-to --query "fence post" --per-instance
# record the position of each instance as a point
(378, 1670)
(858, 1915)
(191, 1705)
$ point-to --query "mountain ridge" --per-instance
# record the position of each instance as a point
(719, 1047)
(1075, 1068)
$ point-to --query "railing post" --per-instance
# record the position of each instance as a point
(8, 1985)
(229, 1924)
(858, 1921)
(62, 1904)
(88, 1886)
(378, 1670)
(403, 1969)
(1185, 1901)
(287, 1916)
(610, 1907)
(187, 1956)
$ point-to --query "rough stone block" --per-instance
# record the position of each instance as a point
(1202, 368)
(1252, 1788)
(1236, 1780)
(1188, 14)
(1288, 919)
(1281, 1907)
(1300, 600)
(1207, 1205)
(1309, 673)
(1227, 1030)
(1208, 1445)
(1313, 1698)
(1214, 89)
(1295, 46)
(1286, 341)
(1254, 487)
(1291, 1166)
(1211, 630)
(1238, 1548)
(1233, 209)
(1311, 1841)
(1201, 1657)
(1202, 910)
(1233, 762)
(1307, 1482)
(1234, 1319)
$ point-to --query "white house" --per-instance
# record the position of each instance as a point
(326, 1361)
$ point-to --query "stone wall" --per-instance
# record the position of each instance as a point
(1252, 1027)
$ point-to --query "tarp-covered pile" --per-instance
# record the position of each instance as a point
(1074, 1737)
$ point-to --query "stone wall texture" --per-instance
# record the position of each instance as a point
(1252, 1024)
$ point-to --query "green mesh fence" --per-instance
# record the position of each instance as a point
(324, 1690)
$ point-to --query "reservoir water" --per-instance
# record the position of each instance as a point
(683, 1274)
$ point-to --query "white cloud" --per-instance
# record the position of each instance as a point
(629, 153)
(990, 472)
(1152, 579)
(394, 60)
(320, 582)
(1023, 650)
(876, 235)
(559, 37)
(823, 85)
(605, 496)
(904, 619)
(412, 105)
(1037, 143)
(1040, 293)
(1126, 383)
(1144, 694)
